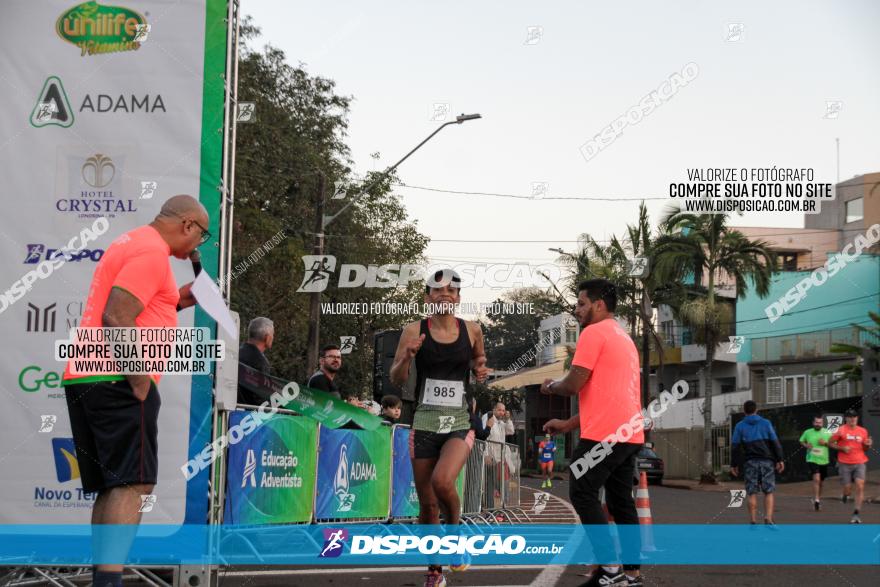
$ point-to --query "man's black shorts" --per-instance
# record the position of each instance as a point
(115, 434)
(821, 469)
(424, 444)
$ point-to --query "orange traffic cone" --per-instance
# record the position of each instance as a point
(643, 509)
(611, 521)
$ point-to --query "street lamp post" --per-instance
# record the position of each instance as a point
(323, 221)
(577, 259)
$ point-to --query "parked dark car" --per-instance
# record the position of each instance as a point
(651, 464)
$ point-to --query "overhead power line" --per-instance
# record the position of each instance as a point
(532, 197)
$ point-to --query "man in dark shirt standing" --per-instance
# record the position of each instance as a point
(261, 333)
(331, 361)
(757, 451)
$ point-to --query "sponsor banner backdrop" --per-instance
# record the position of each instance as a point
(459, 486)
(106, 114)
(404, 499)
(354, 474)
(271, 472)
(313, 403)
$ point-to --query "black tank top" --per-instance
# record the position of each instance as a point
(439, 362)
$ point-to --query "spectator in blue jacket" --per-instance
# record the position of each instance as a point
(757, 450)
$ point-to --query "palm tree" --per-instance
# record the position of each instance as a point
(653, 290)
(636, 297)
(691, 247)
(607, 261)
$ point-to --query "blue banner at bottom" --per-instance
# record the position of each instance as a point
(406, 544)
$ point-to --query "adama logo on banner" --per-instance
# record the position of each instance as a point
(99, 29)
(340, 483)
(53, 106)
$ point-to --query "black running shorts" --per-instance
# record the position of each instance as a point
(821, 469)
(427, 445)
(115, 434)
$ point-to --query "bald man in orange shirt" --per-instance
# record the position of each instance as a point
(114, 418)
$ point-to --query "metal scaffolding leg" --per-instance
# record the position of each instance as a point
(58, 576)
(192, 576)
(149, 577)
(181, 576)
(53, 577)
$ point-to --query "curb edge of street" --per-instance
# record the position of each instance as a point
(718, 488)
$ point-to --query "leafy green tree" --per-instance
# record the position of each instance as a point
(651, 288)
(298, 136)
(613, 261)
(509, 336)
(868, 351)
(696, 246)
(487, 397)
(593, 260)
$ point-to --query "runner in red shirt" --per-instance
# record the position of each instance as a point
(851, 440)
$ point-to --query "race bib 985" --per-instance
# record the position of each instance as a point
(439, 392)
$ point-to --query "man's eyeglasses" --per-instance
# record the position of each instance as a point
(206, 234)
(328, 357)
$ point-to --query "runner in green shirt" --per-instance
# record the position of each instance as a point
(815, 440)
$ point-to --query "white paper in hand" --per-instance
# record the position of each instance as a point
(209, 298)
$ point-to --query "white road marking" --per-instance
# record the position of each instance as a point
(551, 573)
(549, 576)
(567, 506)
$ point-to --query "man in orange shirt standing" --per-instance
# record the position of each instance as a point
(114, 418)
(605, 375)
(851, 440)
